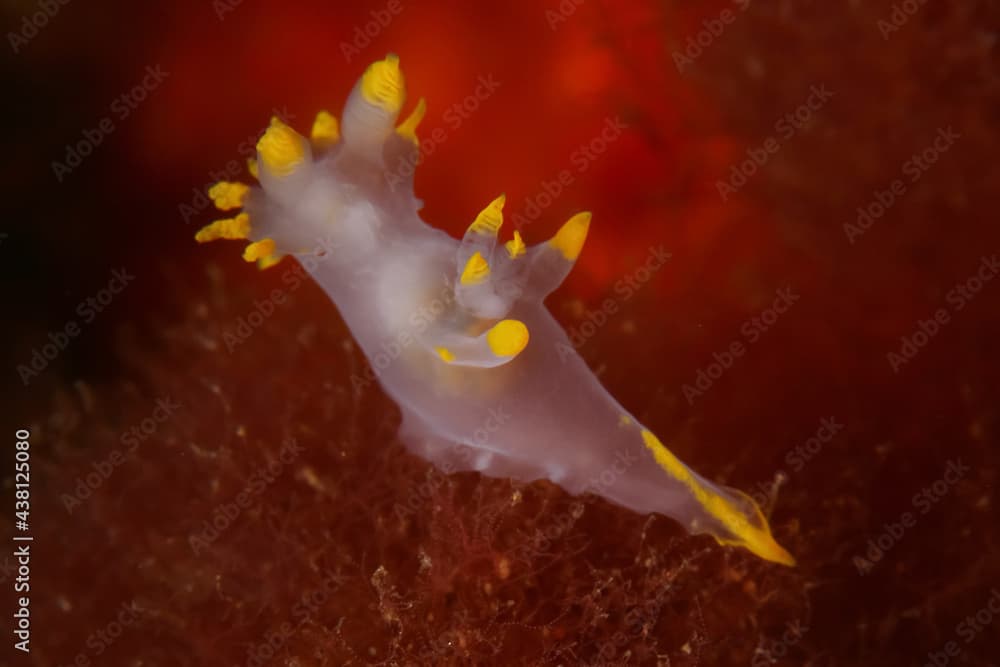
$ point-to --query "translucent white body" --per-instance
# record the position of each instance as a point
(539, 413)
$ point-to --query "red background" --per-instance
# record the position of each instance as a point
(451, 585)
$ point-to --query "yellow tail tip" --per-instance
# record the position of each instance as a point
(763, 545)
(749, 528)
(781, 556)
(740, 521)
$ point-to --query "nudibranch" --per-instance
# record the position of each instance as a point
(484, 376)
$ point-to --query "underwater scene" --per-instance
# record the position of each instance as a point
(562, 332)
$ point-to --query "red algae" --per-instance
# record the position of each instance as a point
(214, 486)
(285, 511)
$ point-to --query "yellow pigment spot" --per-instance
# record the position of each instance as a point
(259, 250)
(325, 131)
(490, 218)
(445, 354)
(408, 128)
(757, 539)
(476, 270)
(252, 167)
(230, 228)
(624, 420)
(570, 237)
(515, 247)
(281, 148)
(227, 195)
(507, 338)
(382, 84)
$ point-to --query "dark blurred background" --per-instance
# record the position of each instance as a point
(844, 154)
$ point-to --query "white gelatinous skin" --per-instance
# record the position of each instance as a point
(540, 413)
